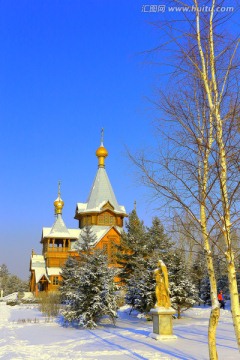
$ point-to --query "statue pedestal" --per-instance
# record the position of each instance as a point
(162, 323)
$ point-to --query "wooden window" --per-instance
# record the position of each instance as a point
(89, 220)
(101, 219)
(108, 206)
(55, 280)
(106, 219)
(112, 258)
(105, 248)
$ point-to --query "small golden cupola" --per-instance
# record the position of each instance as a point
(101, 153)
(58, 203)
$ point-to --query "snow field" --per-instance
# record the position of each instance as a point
(129, 339)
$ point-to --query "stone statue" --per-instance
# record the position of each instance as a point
(162, 286)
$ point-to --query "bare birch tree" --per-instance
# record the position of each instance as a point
(216, 85)
(181, 176)
(201, 176)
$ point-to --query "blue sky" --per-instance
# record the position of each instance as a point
(67, 69)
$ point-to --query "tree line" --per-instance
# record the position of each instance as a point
(11, 283)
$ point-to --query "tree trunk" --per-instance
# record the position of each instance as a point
(215, 312)
(212, 328)
(179, 313)
(235, 308)
(234, 296)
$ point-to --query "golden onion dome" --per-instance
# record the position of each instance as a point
(58, 204)
(102, 151)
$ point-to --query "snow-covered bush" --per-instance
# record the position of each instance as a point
(183, 295)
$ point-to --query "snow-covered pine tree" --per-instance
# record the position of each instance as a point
(133, 247)
(183, 291)
(199, 270)
(221, 272)
(11, 283)
(205, 291)
(158, 240)
(15, 284)
(141, 287)
(86, 241)
(70, 279)
(4, 275)
(147, 245)
(94, 294)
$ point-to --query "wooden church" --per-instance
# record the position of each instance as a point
(101, 211)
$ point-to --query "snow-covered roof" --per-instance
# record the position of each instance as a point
(59, 227)
(101, 193)
(38, 265)
(54, 271)
(59, 230)
(99, 232)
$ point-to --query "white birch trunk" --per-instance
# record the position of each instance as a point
(214, 100)
(215, 312)
(232, 279)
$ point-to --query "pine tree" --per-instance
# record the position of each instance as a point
(146, 246)
(222, 278)
(87, 239)
(70, 274)
(205, 291)
(158, 240)
(134, 246)
(11, 283)
(141, 287)
(183, 292)
(93, 292)
(15, 284)
(198, 270)
(4, 275)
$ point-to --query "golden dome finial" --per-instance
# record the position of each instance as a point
(135, 205)
(101, 152)
(102, 135)
(58, 203)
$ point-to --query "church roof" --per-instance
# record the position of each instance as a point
(59, 230)
(99, 232)
(59, 227)
(101, 193)
(54, 271)
(38, 265)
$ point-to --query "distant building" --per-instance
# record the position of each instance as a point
(101, 211)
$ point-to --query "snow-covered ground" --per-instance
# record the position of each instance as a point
(25, 334)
